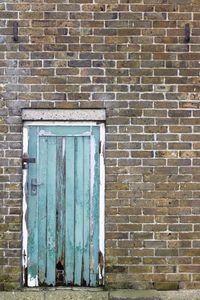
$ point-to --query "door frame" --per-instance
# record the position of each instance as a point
(101, 125)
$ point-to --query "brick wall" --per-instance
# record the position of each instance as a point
(130, 57)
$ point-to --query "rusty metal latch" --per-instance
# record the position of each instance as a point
(27, 160)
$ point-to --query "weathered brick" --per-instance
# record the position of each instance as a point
(132, 59)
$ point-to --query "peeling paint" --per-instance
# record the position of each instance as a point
(46, 133)
(92, 167)
(92, 174)
(92, 261)
(24, 225)
(2, 88)
(49, 133)
(102, 205)
(32, 282)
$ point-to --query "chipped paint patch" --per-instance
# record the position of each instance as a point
(49, 133)
(2, 88)
(102, 207)
(32, 282)
(46, 133)
(92, 166)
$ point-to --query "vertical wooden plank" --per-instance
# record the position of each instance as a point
(42, 212)
(70, 201)
(32, 212)
(86, 201)
(94, 216)
(60, 206)
(78, 210)
(51, 211)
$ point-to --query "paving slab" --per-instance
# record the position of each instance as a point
(17, 295)
(155, 295)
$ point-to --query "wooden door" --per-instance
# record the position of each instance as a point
(63, 205)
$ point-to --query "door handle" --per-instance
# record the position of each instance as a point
(34, 186)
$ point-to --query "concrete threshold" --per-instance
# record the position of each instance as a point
(56, 294)
(98, 294)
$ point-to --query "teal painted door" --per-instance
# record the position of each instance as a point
(63, 205)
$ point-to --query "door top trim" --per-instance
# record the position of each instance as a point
(63, 114)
